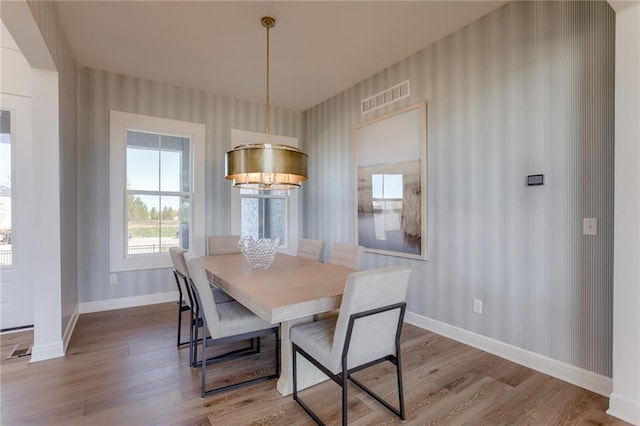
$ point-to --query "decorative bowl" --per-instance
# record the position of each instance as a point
(260, 254)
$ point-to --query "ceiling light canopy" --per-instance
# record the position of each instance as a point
(266, 166)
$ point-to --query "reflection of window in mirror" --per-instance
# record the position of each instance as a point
(387, 190)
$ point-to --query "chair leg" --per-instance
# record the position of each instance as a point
(296, 398)
(255, 345)
(233, 355)
(277, 353)
(294, 365)
(179, 321)
(400, 387)
(194, 342)
(204, 365)
(191, 338)
(345, 377)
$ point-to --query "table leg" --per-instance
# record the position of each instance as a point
(308, 375)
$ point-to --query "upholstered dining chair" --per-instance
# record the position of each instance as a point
(226, 323)
(348, 255)
(311, 249)
(365, 333)
(186, 300)
(224, 244)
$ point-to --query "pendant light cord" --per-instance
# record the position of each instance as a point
(267, 27)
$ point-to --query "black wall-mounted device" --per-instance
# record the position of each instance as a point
(535, 180)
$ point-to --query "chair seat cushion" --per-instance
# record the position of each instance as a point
(220, 296)
(236, 319)
(316, 338)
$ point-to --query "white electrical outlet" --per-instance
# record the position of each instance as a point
(477, 306)
(113, 278)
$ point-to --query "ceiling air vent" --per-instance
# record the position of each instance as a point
(386, 97)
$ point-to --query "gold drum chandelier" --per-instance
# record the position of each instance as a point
(266, 166)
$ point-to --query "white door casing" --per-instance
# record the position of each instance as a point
(16, 288)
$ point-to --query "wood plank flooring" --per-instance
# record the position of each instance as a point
(123, 368)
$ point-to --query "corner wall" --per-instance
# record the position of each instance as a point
(625, 399)
(45, 13)
(527, 89)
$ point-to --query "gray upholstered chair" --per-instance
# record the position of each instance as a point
(226, 323)
(225, 244)
(366, 332)
(311, 249)
(186, 300)
(348, 255)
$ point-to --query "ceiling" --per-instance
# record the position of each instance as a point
(318, 49)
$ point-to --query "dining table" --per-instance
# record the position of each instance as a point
(289, 293)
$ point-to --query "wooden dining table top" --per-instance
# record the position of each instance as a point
(293, 287)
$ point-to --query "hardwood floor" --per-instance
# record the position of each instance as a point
(122, 368)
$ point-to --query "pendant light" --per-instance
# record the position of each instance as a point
(266, 166)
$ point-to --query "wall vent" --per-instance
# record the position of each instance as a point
(386, 97)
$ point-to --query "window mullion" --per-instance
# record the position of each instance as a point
(163, 193)
(159, 192)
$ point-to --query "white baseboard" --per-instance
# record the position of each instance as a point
(624, 408)
(70, 327)
(48, 351)
(127, 302)
(569, 373)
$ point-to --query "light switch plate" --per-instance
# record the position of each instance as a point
(589, 226)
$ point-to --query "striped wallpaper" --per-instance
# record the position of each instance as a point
(101, 91)
(528, 89)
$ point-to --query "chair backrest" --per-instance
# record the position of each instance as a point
(225, 244)
(177, 258)
(346, 255)
(202, 290)
(311, 249)
(373, 337)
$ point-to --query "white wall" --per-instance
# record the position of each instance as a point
(45, 255)
(44, 260)
(57, 47)
(625, 399)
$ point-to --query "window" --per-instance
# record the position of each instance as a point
(157, 190)
(6, 211)
(265, 214)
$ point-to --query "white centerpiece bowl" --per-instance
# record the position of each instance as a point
(260, 254)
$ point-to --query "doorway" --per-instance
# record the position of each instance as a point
(16, 283)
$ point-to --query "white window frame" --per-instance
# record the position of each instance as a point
(290, 245)
(120, 123)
